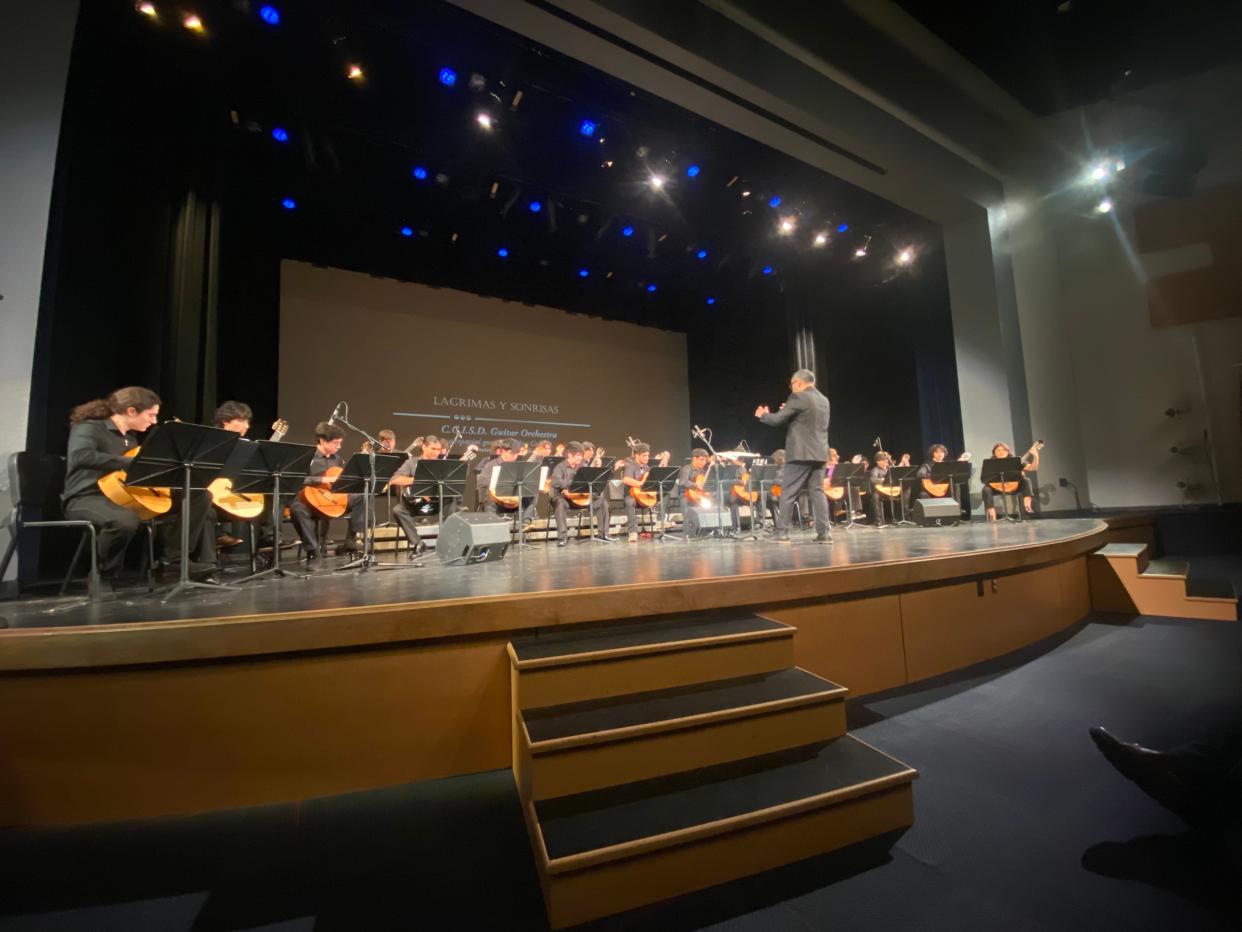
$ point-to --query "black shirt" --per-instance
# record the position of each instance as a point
(562, 477)
(320, 464)
(96, 447)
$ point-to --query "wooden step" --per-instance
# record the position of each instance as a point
(575, 748)
(611, 850)
(597, 662)
(1125, 581)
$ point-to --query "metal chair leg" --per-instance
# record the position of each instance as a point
(73, 564)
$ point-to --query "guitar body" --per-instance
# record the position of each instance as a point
(146, 503)
(328, 504)
(936, 489)
(775, 491)
(507, 502)
(695, 494)
(1006, 488)
(645, 498)
(889, 491)
(834, 492)
(578, 499)
(238, 505)
(742, 492)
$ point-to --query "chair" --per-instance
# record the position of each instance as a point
(36, 481)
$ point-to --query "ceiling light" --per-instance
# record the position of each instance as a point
(651, 288)
(860, 252)
(420, 173)
(280, 135)
(843, 228)
(711, 301)
(148, 9)
(786, 226)
(745, 194)
(627, 231)
(1105, 206)
(775, 202)
(587, 128)
(821, 238)
(269, 15)
(657, 182)
(484, 119)
(448, 77)
(768, 270)
(477, 83)
(701, 254)
(906, 256)
(289, 204)
(355, 73)
(693, 171)
(583, 273)
(1119, 165)
(407, 231)
(502, 252)
(192, 23)
(535, 207)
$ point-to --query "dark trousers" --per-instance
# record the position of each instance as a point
(115, 527)
(561, 509)
(201, 517)
(304, 518)
(799, 476)
(990, 494)
(405, 516)
(878, 509)
(631, 513)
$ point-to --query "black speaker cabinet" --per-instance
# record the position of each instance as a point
(937, 512)
(473, 537)
(712, 520)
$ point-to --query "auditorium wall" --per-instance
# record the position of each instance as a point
(34, 63)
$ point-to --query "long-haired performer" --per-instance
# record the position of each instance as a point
(806, 451)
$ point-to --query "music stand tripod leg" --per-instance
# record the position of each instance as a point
(185, 583)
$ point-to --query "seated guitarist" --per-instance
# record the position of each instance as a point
(936, 453)
(562, 477)
(235, 416)
(633, 476)
(100, 432)
(879, 476)
(327, 455)
(432, 449)
(1030, 463)
(692, 474)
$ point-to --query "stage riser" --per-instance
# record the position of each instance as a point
(705, 664)
(547, 776)
(575, 896)
(1118, 585)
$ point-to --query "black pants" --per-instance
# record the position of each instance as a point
(990, 494)
(115, 527)
(799, 476)
(561, 509)
(405, 516)
(304, 518)
(201, 517)
(878, 510)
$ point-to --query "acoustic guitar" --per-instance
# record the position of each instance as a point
(1008, 488)
(834, 492)
(146, 502)
(244, 506)
(647, 498)
(888, 491)
(695, 493)
(941, 489)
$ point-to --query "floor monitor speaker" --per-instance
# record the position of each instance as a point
(937, 512)
(473, 537)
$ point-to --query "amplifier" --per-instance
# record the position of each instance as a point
(473, 537)
(937, 512)
(710, 519)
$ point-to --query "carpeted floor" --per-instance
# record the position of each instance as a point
(1020, 824)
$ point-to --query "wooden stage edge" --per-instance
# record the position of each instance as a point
(333, 629)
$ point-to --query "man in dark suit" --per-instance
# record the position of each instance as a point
(806, 451)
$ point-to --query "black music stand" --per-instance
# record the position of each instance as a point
(957, 474)
(903, 477)
(362, 475)
(189, 457)
(276, 470)
(721, 476)
(847, 476)
(663, 478)
(517, 478)
(594, 481)
(1005, 469)
(439, 479)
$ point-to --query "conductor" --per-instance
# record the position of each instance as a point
(806, 452)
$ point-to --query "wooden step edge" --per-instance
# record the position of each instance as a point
(1213, 599)
(663, 647)
(654, 843)
(682, 723)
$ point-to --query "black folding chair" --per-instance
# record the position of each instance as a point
(36, 481)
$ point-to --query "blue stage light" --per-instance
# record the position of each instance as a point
(583, 273)
(448, 77)
(535, 207)
(843, 228)
(502, 252)
(627, 231)
(651, 288)
(587, 128)
(768, 270)
(701, 254)
(270, 15)
(775, 202)
(420, 173)
(711, 301)
(280, 135)
(407, 231)
(693, 171)
(289, 204)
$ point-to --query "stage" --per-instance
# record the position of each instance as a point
(294, 688)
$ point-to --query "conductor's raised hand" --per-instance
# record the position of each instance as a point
(761, 411)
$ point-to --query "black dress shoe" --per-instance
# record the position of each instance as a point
(1151, 770)
(822, 540)
(562, 542)
(780, 538)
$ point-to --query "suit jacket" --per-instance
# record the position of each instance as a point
(806, 435)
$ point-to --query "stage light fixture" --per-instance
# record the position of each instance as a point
(701, 254)
(843, 228)
(485, 121)
(192, 23)
(1099, 171)
(627, 231)
(657, 182)
(407, 231)
(269, 15)
(768, 270)
(821, 238)
(786, 226)
(745, 194)
(448, 77)
(535, 207)
(651, 288)
(693, 171)
(355, 73)
(775, 202)
(711, 301)
(607, 163)
(906, 256)
(1119, 165)
(1105, 206)
(148, 9)
(502, 252)
(477, 83)
(587, 128)
(279, 134)
(419, 172)
(583, 273)
(289, 204)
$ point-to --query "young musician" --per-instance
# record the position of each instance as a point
(562, 476)
(235, 416)
(633, 476)
(404, 510)
(688, 481)
(541, 449)
(806, 412)
(879, 476)
(329, 438)
(100, 432)
(506, 452)
(1030, 463)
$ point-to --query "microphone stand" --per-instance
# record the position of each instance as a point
(705, 435)
(367, 559)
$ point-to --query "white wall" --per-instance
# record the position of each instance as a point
(34, 62)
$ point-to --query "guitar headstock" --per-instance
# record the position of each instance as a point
(280, 427)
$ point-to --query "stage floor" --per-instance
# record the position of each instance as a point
(582, 568)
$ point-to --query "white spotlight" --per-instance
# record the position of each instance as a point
(787, 225)
(1105, 206)
(484, 120)
(860, 252)
(657, 182)
(1099, 171)
(821, 239)
(1119, 165)
(906, 256)
(148, 9)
